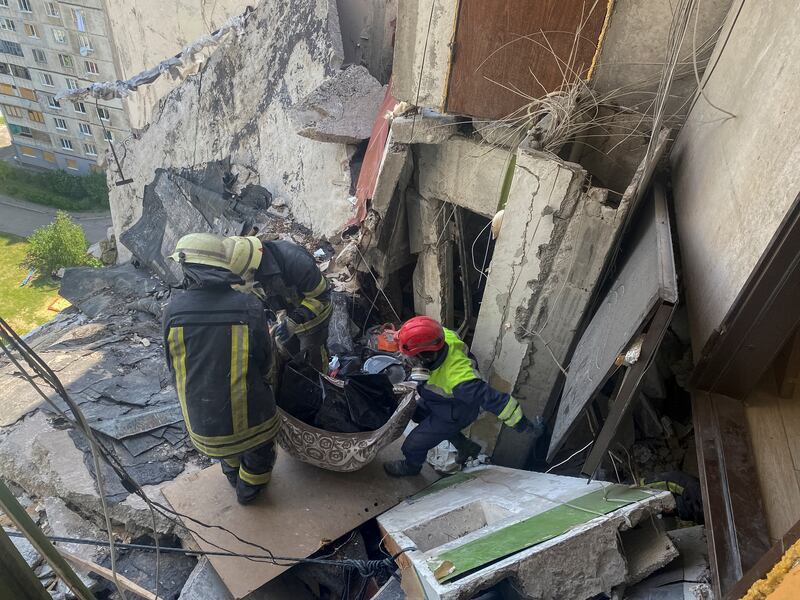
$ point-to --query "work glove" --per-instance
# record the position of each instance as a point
(525, 425)
(284, 331)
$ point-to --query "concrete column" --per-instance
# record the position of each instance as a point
(430, 238)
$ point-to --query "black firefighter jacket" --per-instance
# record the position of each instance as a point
(292, 281)
(220, 354)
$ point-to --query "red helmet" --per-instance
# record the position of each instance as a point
(420, 334)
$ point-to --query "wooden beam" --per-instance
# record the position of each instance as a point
(125, 583)
(736, 526)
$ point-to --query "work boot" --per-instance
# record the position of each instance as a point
(465, 448)
(231, 473)
(401, 468)
(246, 493)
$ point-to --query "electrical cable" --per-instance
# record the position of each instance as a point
(357, 564)
(50, 377)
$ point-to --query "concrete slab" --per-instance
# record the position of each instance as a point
(466, 172)
(395, 171)
(426, 127)
(422, 51)
(302, 508)
(475, 515)
(204, 584)
(342, 109)
(541, 204)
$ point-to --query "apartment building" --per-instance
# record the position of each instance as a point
(45, 47)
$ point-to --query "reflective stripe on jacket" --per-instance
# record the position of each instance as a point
(457, 379)
(219, 354)
(292, 281)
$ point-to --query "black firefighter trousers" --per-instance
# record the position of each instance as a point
(251, 470)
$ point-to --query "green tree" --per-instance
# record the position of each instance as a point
(62, 243)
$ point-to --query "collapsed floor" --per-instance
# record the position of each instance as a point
(510, 234)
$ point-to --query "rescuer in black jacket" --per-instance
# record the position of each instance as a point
(291, 281)
(219, 352)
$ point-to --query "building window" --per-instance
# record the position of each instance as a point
(66, 144)
(35, 115)
(30, 31)
(24, 5)
(90, 149)
(29, 152)
(60, 124)
(12, 48)
(7, 24)
(39, 56)
(72, 164)
(5, 69)
(49, 156)
(20, 72)
(60, 36)
(79, 19)
(28, 94)
(85, 128)
(4, 3)
(109, 137)
(53, 103)
(66, 61)
(7, 89)
(52, 9)
(47, 79)
(24, 131)
(103, 113)
(13, 111)
(86, 43)
(79, 107)
(91, 67)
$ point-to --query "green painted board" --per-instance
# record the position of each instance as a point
(534, 530)
(444, 483)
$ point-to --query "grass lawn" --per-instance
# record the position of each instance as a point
(23, 307)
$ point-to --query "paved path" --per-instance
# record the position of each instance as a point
(23, 218)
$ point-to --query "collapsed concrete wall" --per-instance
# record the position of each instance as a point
(148, 31)
(236, 109)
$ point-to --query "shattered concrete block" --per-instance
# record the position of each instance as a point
(394, 173)
(341, 110)
(204, 584)
(236, 110)
(500, 133)
(572, 263)
(465, 172)
(646, 550)
(543, 196)
(29, 554)
(426, 127)
(44, 462)
(489, 524)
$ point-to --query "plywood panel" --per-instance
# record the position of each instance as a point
(507, 53)
(773, 458)
(645, 280)
(302, 508)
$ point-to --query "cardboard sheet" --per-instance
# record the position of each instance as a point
(302, 508)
